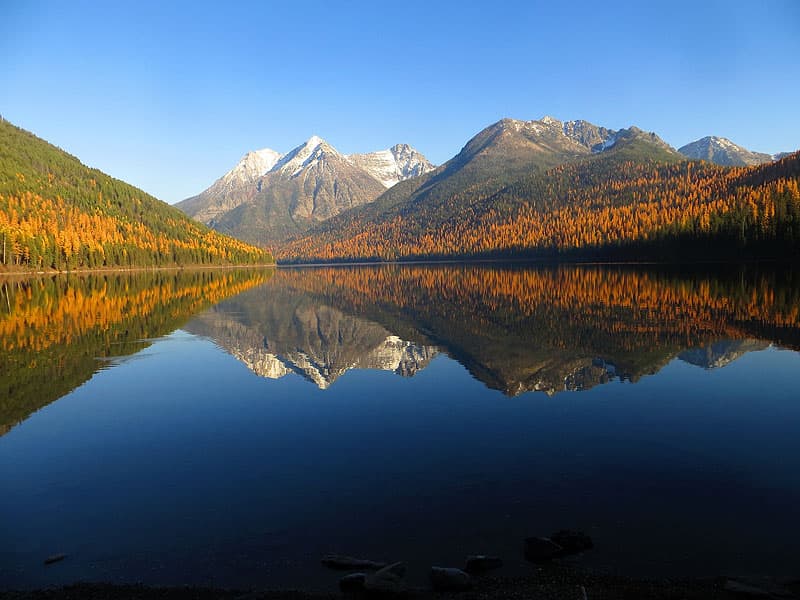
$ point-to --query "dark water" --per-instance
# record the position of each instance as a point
(230, 428)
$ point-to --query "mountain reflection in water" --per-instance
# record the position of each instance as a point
(516, 330)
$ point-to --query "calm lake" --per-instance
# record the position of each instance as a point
(232, 427)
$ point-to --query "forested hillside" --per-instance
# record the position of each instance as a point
(620, 204)
(56, 213)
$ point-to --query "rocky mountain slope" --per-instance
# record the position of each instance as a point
(268, 197)
(232, 189)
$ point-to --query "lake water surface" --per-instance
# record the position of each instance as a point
(231, 427)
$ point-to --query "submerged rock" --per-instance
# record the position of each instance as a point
(480, 563)
(354, 582)
(541, 549)
(348, 563)
(446, 579)
(388, 580)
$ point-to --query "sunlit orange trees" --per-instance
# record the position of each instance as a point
(56, 213)
(586, 208)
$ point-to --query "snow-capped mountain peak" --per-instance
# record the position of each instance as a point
(313, 149)
(251, 166)
(314, 141)
(548, 120)
(310, 183)
(723, 151)
(393, 165)
(724, 142)
(566, 133)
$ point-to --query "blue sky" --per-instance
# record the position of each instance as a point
(169, 97)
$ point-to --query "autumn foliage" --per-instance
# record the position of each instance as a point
(55, 213)
(589, 208)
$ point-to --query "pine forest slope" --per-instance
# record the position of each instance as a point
(638, 198)
(501, 155)
(57, 213)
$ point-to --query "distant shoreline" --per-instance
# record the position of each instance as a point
(528, 261)
(533, 262)
(27, 273)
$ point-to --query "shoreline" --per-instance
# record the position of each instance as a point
(122, 270)
(552, 581)
(416, 262)
(525, 262)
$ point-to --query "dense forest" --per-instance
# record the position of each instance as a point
(622, 205)
(56, 213)
(56, 332)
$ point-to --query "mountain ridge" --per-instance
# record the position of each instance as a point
(272, 200)
(638, 197)
(501, 154)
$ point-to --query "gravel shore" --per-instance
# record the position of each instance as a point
(550, 582)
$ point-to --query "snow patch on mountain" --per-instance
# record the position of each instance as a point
(606, 143)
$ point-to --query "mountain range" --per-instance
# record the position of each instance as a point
(315, 203)
(548, 189)
(268, 197)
